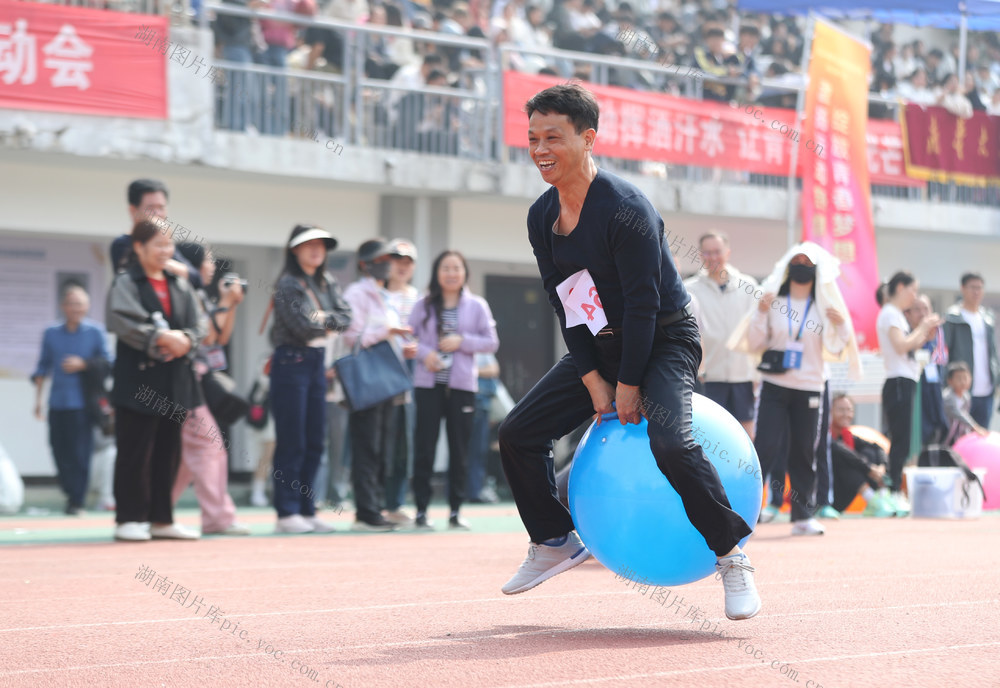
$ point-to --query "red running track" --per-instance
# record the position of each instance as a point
(886, 603)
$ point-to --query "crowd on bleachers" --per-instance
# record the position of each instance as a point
(715, 37)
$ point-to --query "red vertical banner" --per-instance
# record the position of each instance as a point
(836, 192)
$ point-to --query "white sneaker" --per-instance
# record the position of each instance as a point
(545, 561)
(742, 600)
(258, 496)
(808, 527)
(293, 524)
(319, 526)
(768, 514)
(132, 531)
(174, 531)
(901, 503)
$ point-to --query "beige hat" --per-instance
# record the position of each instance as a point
(401, 248)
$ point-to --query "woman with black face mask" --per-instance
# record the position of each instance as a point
(796, 332)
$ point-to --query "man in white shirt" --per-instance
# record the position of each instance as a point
(969, 334)
(724, 295)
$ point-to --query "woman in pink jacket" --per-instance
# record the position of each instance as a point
(451, 326)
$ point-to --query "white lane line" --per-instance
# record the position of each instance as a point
(476, 638)
(403, 605)
(693, 587)
(703, 670)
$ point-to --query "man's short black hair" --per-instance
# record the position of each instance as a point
(572, 100)
(433, 59)
(141, 187)
(749, 30)
(969, 276)
(714, 33)
(936, 53)
(548, 71)
(957, 367)
(436, 74)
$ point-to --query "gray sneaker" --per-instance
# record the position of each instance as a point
(545, 561)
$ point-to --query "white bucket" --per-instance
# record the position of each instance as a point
(943, 492)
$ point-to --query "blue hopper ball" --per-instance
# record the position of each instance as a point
(629, 516)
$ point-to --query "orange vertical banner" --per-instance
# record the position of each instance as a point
(836, 193)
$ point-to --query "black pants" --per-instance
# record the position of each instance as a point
(149, 452)
(824, 468)
(787, 421)
(71, 434)
(897, 407)
(559, 402)
(369, 430)
(457, 407)
(848, 476)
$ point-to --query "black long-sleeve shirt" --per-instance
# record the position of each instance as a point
(619, 239)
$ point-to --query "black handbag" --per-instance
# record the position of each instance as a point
(260, 406)
(773, 361)
(226, 405)
(372, 375)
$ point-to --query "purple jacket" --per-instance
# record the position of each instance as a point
(479, 335)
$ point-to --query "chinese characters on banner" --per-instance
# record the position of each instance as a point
(662, 128)
(72, 59)
(944, 148)
(836, 192)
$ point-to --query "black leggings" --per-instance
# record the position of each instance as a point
(897, 407)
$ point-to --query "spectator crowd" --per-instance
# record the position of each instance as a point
(753, 57)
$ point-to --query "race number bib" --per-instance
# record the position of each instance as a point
(793, 355)
(581, 302)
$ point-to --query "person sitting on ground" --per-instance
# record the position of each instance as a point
(958, 403)
(858, 465)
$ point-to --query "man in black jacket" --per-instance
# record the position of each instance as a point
(597, 228)
(970, 335)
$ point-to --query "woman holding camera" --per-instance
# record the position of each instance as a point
(797, 329)
(157, 321)
(204, 459)
(451, 326)
(308, 306)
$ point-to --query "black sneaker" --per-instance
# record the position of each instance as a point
(422, 523)
(73, 510)
(457, 523)
(378, 526)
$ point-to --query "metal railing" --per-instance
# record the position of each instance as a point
(348, 104)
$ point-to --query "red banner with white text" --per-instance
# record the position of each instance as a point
(636, 125)
(72, 59)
